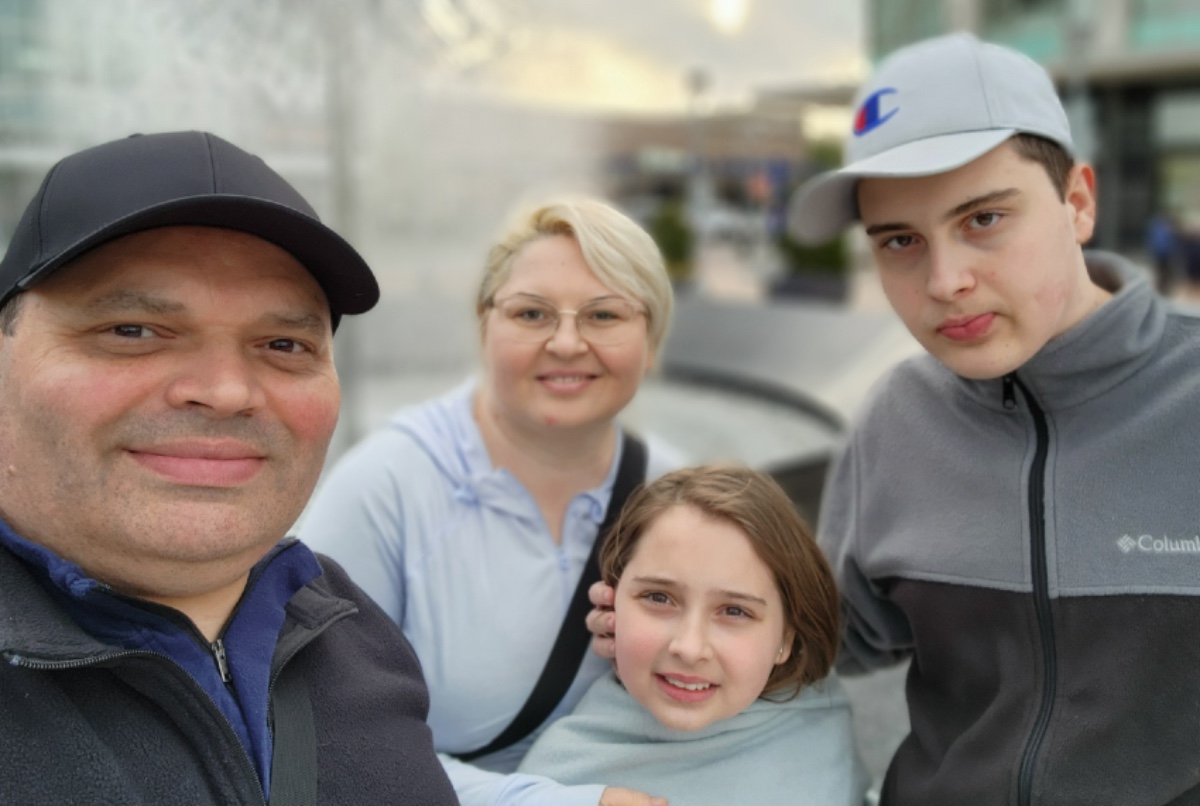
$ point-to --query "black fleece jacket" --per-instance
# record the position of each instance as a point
(86, 723)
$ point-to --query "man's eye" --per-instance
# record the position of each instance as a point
(286, 346)
(133, 331)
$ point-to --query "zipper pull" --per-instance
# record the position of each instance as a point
(1009, 384)
(218, 651)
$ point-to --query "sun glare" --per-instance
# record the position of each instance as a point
(728, 15)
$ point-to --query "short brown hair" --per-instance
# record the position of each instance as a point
(1050, 155)
(755, 503)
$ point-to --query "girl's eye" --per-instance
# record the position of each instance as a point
(133, 331)
(737, 612)
(656, 597)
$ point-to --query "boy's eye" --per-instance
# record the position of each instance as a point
(898, 242)
(984, 220)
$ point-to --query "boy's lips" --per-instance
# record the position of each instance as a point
(966, 328)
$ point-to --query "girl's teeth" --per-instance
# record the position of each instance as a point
(688, 686)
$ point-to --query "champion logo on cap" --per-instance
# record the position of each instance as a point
(871, 114)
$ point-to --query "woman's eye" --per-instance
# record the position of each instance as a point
(133, 331)
(531, 315)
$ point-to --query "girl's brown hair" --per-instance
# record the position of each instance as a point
(756, 504)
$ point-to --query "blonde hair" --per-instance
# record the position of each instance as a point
(621, 254)
(760, 509)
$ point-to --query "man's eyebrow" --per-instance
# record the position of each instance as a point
(975, 203)
(307, 322)
(125, 300)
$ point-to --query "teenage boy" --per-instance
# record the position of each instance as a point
(1017, 510)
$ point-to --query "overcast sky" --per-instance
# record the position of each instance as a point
(635, 55)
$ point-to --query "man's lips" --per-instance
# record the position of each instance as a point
(966, 328)
(224, 463)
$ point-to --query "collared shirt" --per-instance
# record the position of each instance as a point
(457, 552)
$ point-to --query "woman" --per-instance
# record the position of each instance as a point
(468, 519)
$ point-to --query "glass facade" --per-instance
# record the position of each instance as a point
(22, 70)
(1163, 24)
(894, 23)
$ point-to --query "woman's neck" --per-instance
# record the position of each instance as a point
(583, 455)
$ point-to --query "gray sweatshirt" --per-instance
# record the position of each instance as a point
(1033, 544)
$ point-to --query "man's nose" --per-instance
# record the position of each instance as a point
(220, 380)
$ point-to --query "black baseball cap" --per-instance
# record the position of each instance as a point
(170, 179)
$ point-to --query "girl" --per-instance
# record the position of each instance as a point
(727, 626)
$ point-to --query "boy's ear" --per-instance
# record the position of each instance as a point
(1081, 198)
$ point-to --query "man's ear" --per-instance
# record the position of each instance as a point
(1081, 200)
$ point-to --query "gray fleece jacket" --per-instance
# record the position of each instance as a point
(1033, 544)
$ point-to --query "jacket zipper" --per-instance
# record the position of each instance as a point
(1041, 589)
(80, 663)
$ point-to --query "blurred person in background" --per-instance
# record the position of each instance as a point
(1163, 247)
(470, 518)
(168, 395)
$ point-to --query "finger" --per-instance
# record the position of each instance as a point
(604, 646)
(601, 594)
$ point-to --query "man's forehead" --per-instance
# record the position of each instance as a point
(151, 271)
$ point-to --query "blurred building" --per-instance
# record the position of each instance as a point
(1129, 73)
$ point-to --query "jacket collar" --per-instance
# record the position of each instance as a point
(1102, 351)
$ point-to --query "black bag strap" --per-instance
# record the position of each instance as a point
(573, 636)
(294, 757)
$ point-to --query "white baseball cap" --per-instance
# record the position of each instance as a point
(929, 108)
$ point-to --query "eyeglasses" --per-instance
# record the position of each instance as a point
(606, 321)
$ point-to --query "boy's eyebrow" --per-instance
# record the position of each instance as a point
(970, 204)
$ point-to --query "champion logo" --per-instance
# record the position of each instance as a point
(1149, 544)
(871, 114)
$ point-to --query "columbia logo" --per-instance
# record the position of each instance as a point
(1149, 544)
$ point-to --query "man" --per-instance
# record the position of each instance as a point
(168, 394)
(1015, 511)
